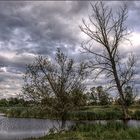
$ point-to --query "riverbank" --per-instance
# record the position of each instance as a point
(85, 113)
(111, 131)
(21, 128)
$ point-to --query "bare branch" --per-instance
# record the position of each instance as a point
(109, 31)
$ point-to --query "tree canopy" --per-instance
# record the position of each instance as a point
(55, 83)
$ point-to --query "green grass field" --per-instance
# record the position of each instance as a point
(110, 131)
(109, 112)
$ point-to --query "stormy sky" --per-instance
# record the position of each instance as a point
(31, 28)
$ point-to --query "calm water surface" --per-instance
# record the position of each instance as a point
(19, 128)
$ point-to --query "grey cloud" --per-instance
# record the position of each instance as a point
(46, 25)
(31, 28)
(17, 61)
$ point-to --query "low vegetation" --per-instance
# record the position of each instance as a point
(110, 131)
(108, 112)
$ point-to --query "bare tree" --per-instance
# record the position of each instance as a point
(109, 30)
(55, 83)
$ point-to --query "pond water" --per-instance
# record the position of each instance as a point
(20, 128)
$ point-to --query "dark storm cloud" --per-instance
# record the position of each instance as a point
(46, 23)
(31, 28)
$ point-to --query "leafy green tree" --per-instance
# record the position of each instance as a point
(129, 96)
(99, 96)
(78, 97)
(13, 101)
(103, 96)
(3, 103)
(93, 96)
(55, 83)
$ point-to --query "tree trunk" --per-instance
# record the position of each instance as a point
(120, 90)
(126, 115)
(63, 124)
(63, 120)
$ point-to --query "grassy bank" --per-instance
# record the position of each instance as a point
(24, 112)
(85, 113)
(110, 131)
(96, 113)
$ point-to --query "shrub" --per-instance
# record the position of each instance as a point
(136, 115)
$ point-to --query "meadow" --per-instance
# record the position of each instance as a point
(107, 112)
(109, 131)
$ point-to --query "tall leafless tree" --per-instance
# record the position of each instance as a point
(109, 30)
(55, 83)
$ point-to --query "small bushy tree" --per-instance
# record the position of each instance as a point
(55, 83)
(99, 96)
(129, 96)
(79, 98)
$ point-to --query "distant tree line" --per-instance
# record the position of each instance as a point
(15, 102)
(99, 96)
(96, 96)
